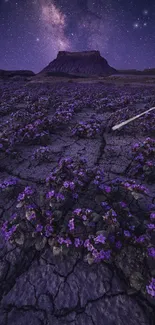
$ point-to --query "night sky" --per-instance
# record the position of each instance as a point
(33, 31)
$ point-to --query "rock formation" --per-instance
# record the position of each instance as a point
(87, 63)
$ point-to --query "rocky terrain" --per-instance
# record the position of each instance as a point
(77, 204)
(80, 63)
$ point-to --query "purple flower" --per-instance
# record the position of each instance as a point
(151, 251)
(107, 254)
(126, 184)
(140, 239)
(81, 173)
(151, 226)
(66, 184)
(118, 244)
(50, 178)
(77, 242)
(60, 240)
(104, 204)
(30, 217)
(71, 224)
(14, 216)
(48, 230)
(100, 239)
(50, 194)
(102, 255)
(88, 211)
(75, 195)
(132, 227)
(152, 215)
(86, 243)
(84, 217)
(95, 253)
(90, 247)
(60, 197)
(149, 163)
(9, 233)
(127, 233)
(123, 204)
(77, 211)
(102, 187)
(140, 157)
(107, 189)
(21, 197)
(135, 146)
(72, 185)
(67, 242)
(28, 190)
(151, 287)
(114, 214)
(39, 228)
(31, 206)
(48, 213)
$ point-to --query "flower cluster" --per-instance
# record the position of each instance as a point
(42, 154)
(8, 184)
(33, 133)
(24, 196)
(133, 187)
(9, 227)
(67, 180)
(143, 160)
(88, 129)
(118, 184)
(62, 115)
(151, 224)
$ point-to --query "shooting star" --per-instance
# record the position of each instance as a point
(131, 119)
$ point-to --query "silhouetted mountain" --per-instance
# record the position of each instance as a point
(87, 63)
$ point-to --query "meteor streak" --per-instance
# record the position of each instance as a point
(131, 119)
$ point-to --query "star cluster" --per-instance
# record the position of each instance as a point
(32, 32)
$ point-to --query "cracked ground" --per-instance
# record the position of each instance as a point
(38, 288)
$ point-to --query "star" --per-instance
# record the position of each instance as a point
(145, 24)
(145, 12)
(135, 25)
(37, 39)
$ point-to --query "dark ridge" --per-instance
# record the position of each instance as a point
(137, 72)
(14, 73)
(63, 74)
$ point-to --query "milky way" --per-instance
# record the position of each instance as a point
(32, 32)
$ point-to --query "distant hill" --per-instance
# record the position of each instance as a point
(13, 73)
(137, 72)
(87, 63)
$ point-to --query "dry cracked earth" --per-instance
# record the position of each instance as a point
(37, 287)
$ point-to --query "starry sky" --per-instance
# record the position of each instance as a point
(33, 31)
